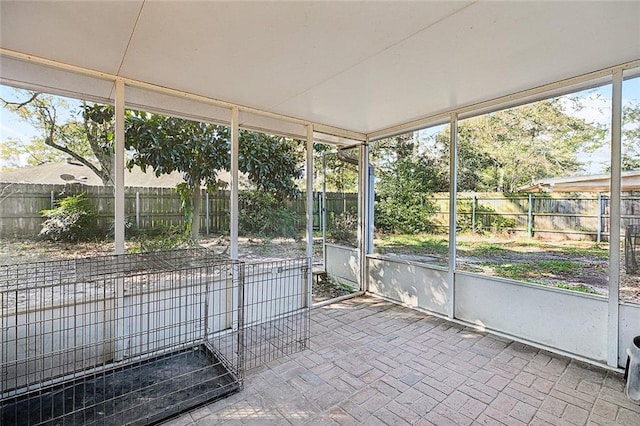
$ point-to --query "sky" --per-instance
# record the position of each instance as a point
(10, 125)
(596, 108)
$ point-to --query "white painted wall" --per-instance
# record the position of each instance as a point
(571, 322)
(156, 320)
(409, 283)
(273, 290)
(341, 263)
(52, 342)
(629, 328)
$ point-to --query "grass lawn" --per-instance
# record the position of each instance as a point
(573, 265)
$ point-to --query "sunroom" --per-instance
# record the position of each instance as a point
(441, 83)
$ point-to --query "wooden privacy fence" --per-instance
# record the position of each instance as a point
(583, 215)
(148, 208)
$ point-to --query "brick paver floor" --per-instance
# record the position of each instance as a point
(374, 362)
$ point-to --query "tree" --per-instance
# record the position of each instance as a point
(10, 152)
(83, 131)
(407, 172)
(631, 137)
(200, 150)
(340, 175)
(508, 149)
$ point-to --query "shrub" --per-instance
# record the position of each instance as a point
(170, 238)
(344, 228)
(408, 217)
(72, 220)
(130, 228)
(263, 214)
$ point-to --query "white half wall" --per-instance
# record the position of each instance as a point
(629, 328)
(341, 263)
(570, 322)
(409, 283)
(567, 321)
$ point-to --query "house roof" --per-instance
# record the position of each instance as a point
(360, 66)
(630, 181)
(73, 172)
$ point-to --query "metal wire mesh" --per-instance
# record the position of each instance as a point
(138, 337)
(276, 301)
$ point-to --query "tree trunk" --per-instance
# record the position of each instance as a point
(196, 199)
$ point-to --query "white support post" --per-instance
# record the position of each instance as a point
(530, 216)
(234, 292)
(119, 169)
(119, 322)
(453, 195)
(310, 203)
(363, 213)
(599, 213)
(234, 207)
(206, 221)
(324, 209)
(474, 203)
(138, 209)
(614, 220)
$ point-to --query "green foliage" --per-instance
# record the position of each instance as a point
(341, 285)
(557, 267)
(272, 163)
(72, 220)
(413, 215)
(514, 271)
(68, 129)
(631, 137)
(185, 191)
(265, 215)
(167, 144)
(341, 176)
(533, 271)
(507, 149)
(10, 151)
(406, 177)
(480, 248)
(577, 287)
(130, 228)
(201, 150)
(344, 228)
(597, 250)
(415, 243)
(170, 238)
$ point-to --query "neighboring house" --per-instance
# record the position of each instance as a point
(630, 181)
(71, 171)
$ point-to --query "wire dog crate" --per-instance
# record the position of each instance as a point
(631, 247)
(136, 338)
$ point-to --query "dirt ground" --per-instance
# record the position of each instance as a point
(592, 271)
(27, 251)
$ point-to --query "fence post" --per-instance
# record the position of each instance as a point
(53, 200)
(474, 202)
(138, 209)
(206, 221)
(599, 213)
(319, 206)
(530, 217)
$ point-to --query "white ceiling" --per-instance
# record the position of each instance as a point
(361, 66)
